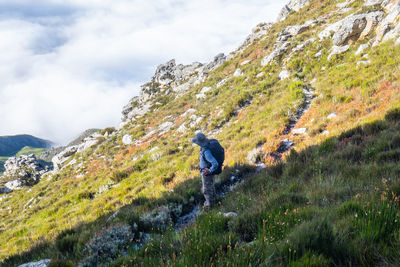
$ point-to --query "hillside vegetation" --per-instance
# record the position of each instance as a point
(313, 136)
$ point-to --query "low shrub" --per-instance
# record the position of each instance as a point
(60, 263)
(66, 241)
(312, 236)
(393, 115)
(107, 246)
(378, 222)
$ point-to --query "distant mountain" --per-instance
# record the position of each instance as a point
(10, 145)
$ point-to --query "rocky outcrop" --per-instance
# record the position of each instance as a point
(59, 159)
(22, 171)
(88, 142)
(179, 78)
(42, 263)
(293, 5)
(282, 44)
(258, 32)
(170, 72)
(352, 28)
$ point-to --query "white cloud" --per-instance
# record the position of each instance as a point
(69, 65)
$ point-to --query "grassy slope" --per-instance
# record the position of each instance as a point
(314, 183)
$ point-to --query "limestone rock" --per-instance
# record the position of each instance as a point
(293, 5)
(361, 49)
(332, 115)
(356, 26)
(351, 28)
(42, 263)
(278, 52)
(337, 50)
(255, 155)
(24, 170)
(165, 127)
(170, 72)
(90, 141)
(237, 73)
(299, 131)
(221, 83)
(59, 159)
(127, 139)
(230, 214)
(259, 31)
(284, 74)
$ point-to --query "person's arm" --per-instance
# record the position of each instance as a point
(210, 158)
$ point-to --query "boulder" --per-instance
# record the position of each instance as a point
(332, 115)
(237, 73)
(42, 263)
(127, 139)
(337, 50)
(284, 74)
(299, 131)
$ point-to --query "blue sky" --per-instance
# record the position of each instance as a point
(70, 65)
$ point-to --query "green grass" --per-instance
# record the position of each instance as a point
(30, 150)
(284, 213)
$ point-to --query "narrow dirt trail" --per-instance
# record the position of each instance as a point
(287, 144)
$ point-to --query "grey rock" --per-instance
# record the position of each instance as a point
(278, 52)
(363, 62)
(170, 72)
(230, 214)
(261, 74)
(203, 92)
(332, 115)
(59, 159)
(337, 50)
(42, 263)
(14, 185)
(284, 74)
(352, 27)
(90, 141)
(24, 170)
(127, 139)
(255, 155)
(259, 31)
(237, 73)
(299, 131)
(361, 49)
(221, 83)
(165, 127)
(293, 5)
(215, 63)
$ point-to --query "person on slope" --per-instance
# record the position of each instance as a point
(212, 157)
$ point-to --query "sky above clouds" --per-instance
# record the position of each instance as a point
(70, 65)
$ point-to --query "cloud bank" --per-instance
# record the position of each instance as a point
(70, 65)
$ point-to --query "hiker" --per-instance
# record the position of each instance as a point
(212, 156)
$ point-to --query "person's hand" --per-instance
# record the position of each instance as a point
(206, 171)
